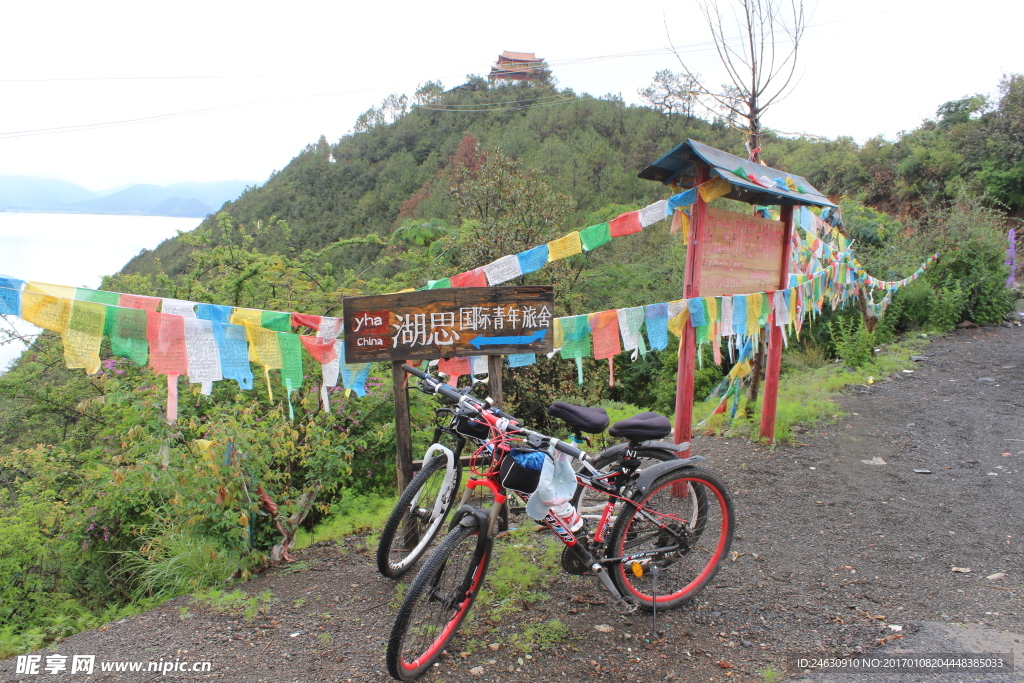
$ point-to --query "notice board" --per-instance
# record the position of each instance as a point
(742, 253)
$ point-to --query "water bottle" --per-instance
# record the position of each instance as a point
(566, 513)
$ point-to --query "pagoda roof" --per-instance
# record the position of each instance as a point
(519, 56)
(680, 167)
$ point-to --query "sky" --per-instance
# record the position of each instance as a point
(113, 93)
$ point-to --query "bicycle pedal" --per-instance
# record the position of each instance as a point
(625, 605)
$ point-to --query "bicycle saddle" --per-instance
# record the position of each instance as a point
(642, 427)
(590, 420)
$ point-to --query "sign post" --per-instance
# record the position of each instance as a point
(445, 323)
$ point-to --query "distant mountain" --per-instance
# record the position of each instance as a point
(188, 199)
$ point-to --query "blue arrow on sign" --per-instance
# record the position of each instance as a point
(480, 340)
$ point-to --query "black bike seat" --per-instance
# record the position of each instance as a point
(642, 427)
(590, 420)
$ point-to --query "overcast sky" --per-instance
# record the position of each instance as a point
(268, 78)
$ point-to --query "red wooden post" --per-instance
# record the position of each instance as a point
(688, 342)
(771, 380)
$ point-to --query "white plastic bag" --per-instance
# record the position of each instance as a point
(557, 485)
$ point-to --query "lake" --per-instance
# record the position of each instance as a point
(75, 249)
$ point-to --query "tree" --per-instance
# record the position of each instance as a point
(671, 93)
(760, 61)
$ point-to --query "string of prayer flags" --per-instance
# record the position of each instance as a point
(186, 309)
(10, 295)
(97, 296)
(630, 322)
(264, 349)
(353, 376)
(204, 365)
(533, 259)
(241, 316)
(233, 348)
(565, 247)
(471, 278)
(502, 270)
(656, 319)
(626, 224)
(83, 335)
(713, 189)
(595, 236)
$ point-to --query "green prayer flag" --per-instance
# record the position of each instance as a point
(97, 296)
(766, 307)
(126, 328)
(277, 321)
(291, 355)
(440, 284)
(596, 235)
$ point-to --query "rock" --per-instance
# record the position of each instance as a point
(874, 461)
(477, 670)
(966, 325)
(961, 570)
(987, 380)
(716, 614)
(922, 471)
(996, 577)
(493, 646)
(603, 628)
(747, 643)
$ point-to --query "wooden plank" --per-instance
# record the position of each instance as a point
(688, 347)
(494, 370)
(403, 428)
(741, 253)
(442, 323)
(771, 380)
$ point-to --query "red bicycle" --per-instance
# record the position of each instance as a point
(661, 536)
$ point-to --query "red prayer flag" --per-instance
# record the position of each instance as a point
(471, 278)
(604, 333)
(139, 302)
(321, 348)
(166, 336)
(626, 224)
(455, 368)
(310, 321)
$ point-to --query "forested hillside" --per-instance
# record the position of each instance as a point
(104, 504)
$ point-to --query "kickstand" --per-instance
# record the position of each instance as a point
(655, 570)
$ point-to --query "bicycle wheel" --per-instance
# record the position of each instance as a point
(683, 526)
(419, 514)
(437, 602)
(590, 503)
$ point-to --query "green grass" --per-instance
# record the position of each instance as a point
(350, 515)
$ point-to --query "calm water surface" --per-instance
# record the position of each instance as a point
(75, 249)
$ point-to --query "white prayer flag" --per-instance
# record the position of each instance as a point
(502, 270)
(653, 213)
(186, 309)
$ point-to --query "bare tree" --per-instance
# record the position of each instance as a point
(758, 47)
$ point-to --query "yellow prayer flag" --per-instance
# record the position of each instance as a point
(557, 334)
(675, 324)
(564, 247)
(45, 311)
(264, 349)
(239, 316)
(59, 291)
(83, 335)
(713, 189)
(753, 314)
(741, 369)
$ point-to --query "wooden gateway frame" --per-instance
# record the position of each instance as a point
(716, 263)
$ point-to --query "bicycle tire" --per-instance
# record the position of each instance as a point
(432, 491)
(705, 539)
(590, 503)
(437, 602)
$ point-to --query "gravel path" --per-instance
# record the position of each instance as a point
(834, 557)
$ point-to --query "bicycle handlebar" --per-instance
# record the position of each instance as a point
(436, 386)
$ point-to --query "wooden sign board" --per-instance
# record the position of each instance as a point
(455, 321)
(742, 254)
